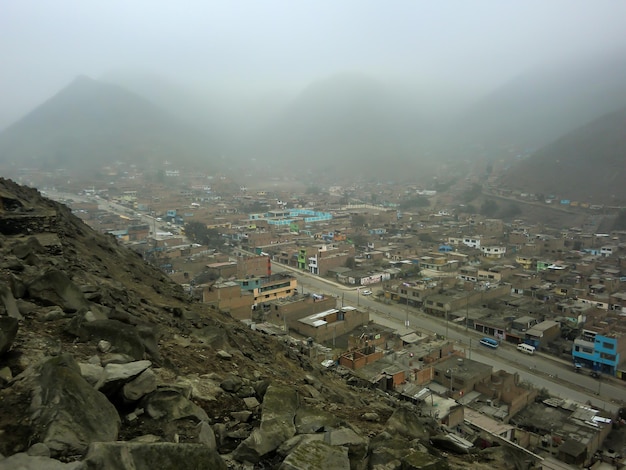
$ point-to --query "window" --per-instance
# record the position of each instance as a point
(608, 357)
(608, 345)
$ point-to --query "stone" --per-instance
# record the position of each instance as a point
(8, 332)
(316, 455)
(39, 449)
(9, 303)
(223, 354)
(92, 373)
(206, 436)
(251, 402)
(23, 461)
(55, 288)
(104, 346)
(277, 424)
(168, 404)
(232, 383)
(151, 456)
(241, 416)
(67, 411)
(115, 373)
(143, 384)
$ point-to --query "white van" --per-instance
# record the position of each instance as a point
(526, 348)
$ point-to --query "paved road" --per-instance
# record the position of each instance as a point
(541, 370)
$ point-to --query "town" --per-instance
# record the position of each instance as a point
(400, 298)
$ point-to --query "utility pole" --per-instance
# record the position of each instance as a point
(406, 321)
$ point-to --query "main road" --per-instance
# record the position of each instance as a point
(542, 371)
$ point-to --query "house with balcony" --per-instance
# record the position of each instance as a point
(600, 352)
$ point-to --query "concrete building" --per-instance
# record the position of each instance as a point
(600, 352)
(543, 333)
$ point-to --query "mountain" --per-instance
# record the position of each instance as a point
(588, 164)
(540, 106)
(90, 124)
(348, 124)
(106, 363)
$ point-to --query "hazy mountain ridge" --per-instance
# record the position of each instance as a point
(541, 105)
(91, 123)
(350, 125)
(587, 164)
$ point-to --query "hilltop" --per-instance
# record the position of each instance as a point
(104, 363)
(90, 124)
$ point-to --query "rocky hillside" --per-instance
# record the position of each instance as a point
(587, 164)
(104, 363)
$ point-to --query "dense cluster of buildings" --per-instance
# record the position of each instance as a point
(562, 291)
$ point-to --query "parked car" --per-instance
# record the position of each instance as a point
(366, 292)
(595, 374)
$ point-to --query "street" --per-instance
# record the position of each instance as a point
(543, 371)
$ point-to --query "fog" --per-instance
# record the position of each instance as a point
(457, 49)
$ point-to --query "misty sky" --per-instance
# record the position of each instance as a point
(465, 45)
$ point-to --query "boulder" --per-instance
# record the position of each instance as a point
(8, 302)
(357, 446)
(206, 435)
(417, 460)
(143, 384)
(23, 461)
(232, 383)
(68, 412)
(123, 337)
(316, 455)
(309, 420)
(55, 288)
(406, 423)
(277, 424)
(8, 331)
(116, 375)
(168, 404)
(150, 456)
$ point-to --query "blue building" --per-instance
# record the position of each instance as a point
(597, 352)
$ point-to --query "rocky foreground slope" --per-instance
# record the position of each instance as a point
(105, 363)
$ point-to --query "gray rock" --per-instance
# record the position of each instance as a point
(116, 373)
(55, 288)
(246, 391)
(232, 383)
(92, 373)
(67, 411)
(251, 402)
(206, 436)
(241, 416)
(370, 416)
(417, 460)
(310, 420)
(104, 346)
(168, 404)
(8, 332)
(277, 425)
(316, 455)
(39, 449)
(5, 375)
(406, 423)
(223, 354)
(142, 385)
(8, 302)
(151, 456)
(124, 338)
(23, 461)
(357, 446)
(115, 358)
(290, 444)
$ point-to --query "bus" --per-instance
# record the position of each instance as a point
(489, 342)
